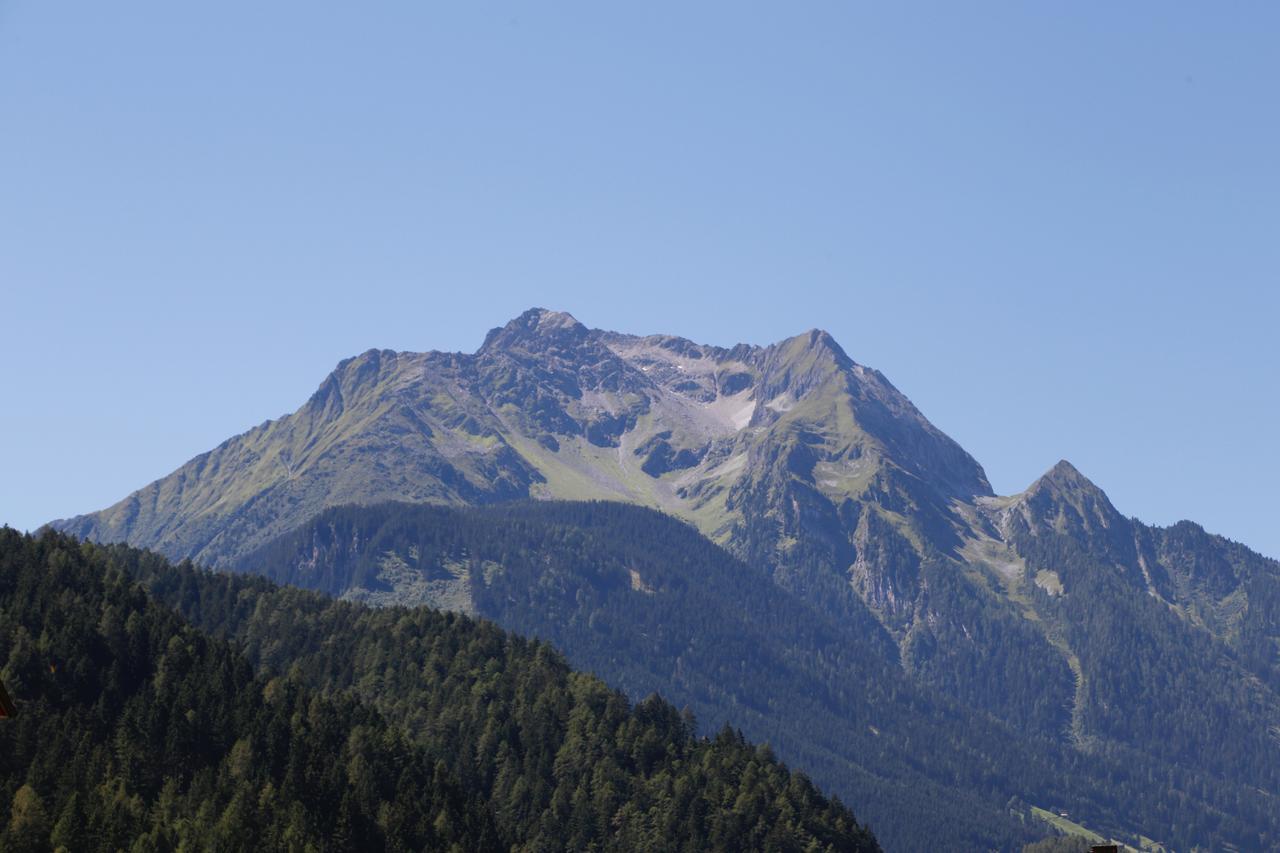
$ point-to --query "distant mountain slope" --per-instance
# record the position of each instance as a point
(647, 603)
(137, 731)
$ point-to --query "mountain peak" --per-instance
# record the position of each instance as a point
(544, 319)
(537, 326)
(818, 341)
(1064, 496)
(1064, 477)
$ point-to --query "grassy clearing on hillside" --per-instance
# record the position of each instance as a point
(1070, 827)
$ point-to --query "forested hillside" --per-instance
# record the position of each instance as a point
(646, 603)
(139, 730)
(1173, 631)
(709, 632)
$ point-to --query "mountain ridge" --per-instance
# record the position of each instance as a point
(489, 426)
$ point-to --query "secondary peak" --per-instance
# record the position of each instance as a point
(535, 326)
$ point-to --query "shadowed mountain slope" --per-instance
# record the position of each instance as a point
(649, 604)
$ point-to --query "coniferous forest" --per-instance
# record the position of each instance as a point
(140, 730)
(647, 603)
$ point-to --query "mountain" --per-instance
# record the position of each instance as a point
(548, 408)
(1172, 632)
(650, 605)
(138, 730)
(1131, 646)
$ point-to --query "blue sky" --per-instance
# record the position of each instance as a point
(1054, 226)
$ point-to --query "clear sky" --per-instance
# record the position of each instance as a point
(1055, 226)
